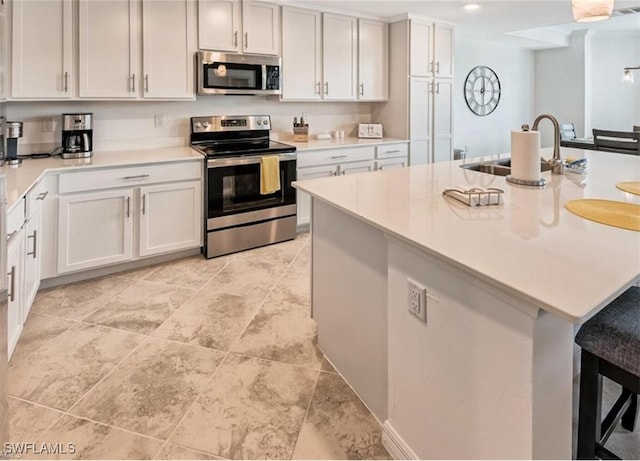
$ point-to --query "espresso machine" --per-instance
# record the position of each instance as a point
(77, 135)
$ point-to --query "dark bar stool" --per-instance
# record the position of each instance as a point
(610, 343)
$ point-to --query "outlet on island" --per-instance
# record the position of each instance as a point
(417, 300)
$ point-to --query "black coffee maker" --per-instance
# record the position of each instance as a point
(77, 135)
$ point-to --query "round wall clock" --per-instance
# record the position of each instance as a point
(482, 90)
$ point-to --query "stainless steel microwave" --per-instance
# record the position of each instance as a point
(228, 73)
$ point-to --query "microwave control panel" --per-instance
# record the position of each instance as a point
(273, 78)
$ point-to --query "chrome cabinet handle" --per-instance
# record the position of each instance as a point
(66, 82)
(139, 176)
(235, 39)
(42, 195)
(338, 156)
(246, 40)
(431, 66)
(144, 203)
(397, 151)
(12, 293)
(128, 207)
(318, 88)
(362, 89)
(343, 172)
(133, 83)
(35, 244)
(326, 88)
(146, 83)
(380, 167)
(437, 87)
(438, 67)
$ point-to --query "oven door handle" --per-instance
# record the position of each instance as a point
(252, 160)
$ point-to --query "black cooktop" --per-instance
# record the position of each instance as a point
(241, 147)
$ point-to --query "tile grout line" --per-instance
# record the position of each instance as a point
(306, 413)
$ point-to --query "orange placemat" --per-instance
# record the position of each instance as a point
(618, 214)
(632, 187)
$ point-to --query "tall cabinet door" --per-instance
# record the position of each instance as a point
(301, 54)
(15, 294)
(420, 119)
(339, 53)
(32, 264)
(261, 24)
(109, 46)
(170, 217)
(373, 60)
(443, 51)
(42, 63)
(167, 27)
(86, 219)
(420, 48)
(443, 120)
(219, 25)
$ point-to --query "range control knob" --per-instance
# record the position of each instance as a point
(197, 125)
(206, 125)
(259, 122)
(265, 122)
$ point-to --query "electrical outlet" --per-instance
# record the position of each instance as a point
(47, 125)
(159, 121)
(417, 300)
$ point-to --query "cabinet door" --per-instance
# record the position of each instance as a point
(356, 167)
(373, 60)
(419, 152)
(219, 25)
(32, 265)
(420, 46)
(167, 27)
(391, 163)
(339, 63)
(42, 65)
(301, 54)
(420, 108)
(303, 200)
(170, 217)
(15, 293)
(443, 51)
(261, 24)
(94, 229)
(108, 60)
(442, 120)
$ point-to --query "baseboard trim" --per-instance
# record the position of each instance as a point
(394, 444)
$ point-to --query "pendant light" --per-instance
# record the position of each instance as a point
(592, 10)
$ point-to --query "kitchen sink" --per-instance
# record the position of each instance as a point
(500, 167)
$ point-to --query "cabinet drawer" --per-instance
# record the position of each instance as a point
(392, 150)
(35, 197)
(388, 164)
(15, 218)
(338, 155)
(130, 176)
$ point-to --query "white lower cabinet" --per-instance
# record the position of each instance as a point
(170, 217)
(391, 163)
(15, 292)
(32, 259)
(94, 229)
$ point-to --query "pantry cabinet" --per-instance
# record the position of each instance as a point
(373, 60)
(15, 293)
(301, 54)
(442, 120)
(42, 49)
(431, 48)
(339, 52)
(242, 27)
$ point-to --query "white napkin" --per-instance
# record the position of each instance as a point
(479, 196)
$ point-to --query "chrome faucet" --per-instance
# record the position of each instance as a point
(556, 162)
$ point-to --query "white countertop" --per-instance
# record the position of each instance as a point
(21, 178)
(531, 245)
(333, 143)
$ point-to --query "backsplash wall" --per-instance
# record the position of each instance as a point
(130, 124)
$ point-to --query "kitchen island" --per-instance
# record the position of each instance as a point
(489, 374)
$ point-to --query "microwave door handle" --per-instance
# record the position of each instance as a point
(264, 77)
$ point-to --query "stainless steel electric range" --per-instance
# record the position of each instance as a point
(238, 216)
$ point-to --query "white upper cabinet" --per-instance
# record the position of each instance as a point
(167, 27)
(42, 64)
(301, 54)
(420, 48)
(109, 45)
(339, 50)
(219, 25)
(236, 26)
(373, 60)
(261, 25)
(443, 51)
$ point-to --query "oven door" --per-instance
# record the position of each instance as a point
(234, 198)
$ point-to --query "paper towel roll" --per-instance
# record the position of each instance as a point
(525, 155)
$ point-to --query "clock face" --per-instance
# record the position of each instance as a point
(482, 90)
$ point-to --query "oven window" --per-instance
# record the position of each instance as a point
(233, 76)
(236, 189)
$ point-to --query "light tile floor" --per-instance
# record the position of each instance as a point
(192, 359)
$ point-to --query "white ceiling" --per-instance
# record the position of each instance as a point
(495, 18)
